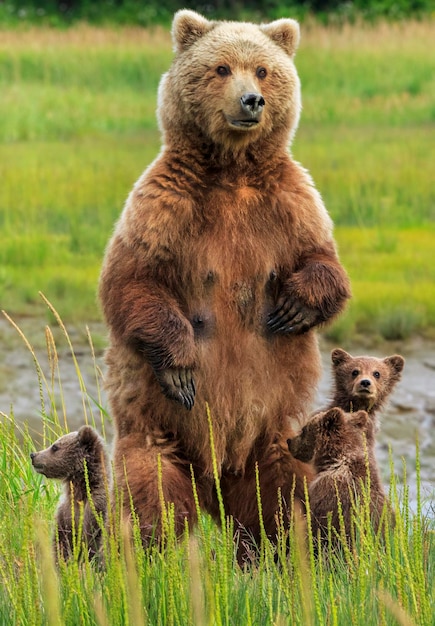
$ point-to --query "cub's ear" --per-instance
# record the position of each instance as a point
(396, 363)
(87, 437)
(339, 356)
(285, 33)
(333, 419)
(188, 27)
(360, 419)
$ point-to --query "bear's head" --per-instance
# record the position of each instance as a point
(331, 436)
(231, 84)
(364, 382)
(64, 459)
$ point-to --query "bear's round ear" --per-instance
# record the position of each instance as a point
(188, 27)
(360, 419)
(339, 356)
(395, 362)
(87, 436)
(332, 419)
(285, 33)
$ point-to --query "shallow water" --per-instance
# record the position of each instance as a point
(409, 415)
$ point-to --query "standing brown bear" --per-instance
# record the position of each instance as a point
(221, 266)
(80, 460)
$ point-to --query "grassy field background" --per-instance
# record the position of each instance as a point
(383, 580)
(77, 127)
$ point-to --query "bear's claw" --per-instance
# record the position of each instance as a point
(292, 316)
(178, 384)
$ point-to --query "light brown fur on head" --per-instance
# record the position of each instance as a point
(197, 104)
(363, 382)
(78, 459)
(340, 447)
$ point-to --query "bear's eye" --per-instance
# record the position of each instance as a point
(54, 448)
(223, 70)
(261, 72)
(355, 373)
(376, 374)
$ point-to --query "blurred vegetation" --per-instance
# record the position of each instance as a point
(64, 12)
(387, 578)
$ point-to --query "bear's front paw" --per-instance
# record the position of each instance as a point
(178, 384)
(292, 316)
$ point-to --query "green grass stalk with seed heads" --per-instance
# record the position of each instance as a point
(379, 579)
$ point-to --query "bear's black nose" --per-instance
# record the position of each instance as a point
(32, 454)
(252, 102)
(365, 382)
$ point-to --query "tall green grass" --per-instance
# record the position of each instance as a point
(77, 127)
(195, 580)
(393, 282)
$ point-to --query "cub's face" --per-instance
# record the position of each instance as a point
(65, 457)
(60, 458)
(303, 446)
(366, 379)
(235, 81)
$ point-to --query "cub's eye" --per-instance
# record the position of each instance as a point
(223, 70)
(261, 72)
(54, 448)
(355, 373)
(376, 374)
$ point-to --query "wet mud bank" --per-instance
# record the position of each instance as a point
(409, 416)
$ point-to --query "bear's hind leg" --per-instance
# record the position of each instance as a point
(149, 479)
(281, 479)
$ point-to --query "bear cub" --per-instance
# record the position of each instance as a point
(77, 458)
(340, 447)
(363, 382)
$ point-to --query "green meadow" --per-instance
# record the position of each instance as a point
(78, 126)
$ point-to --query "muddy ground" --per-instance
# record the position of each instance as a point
(410, 414)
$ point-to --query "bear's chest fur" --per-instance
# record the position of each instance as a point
(239, 253)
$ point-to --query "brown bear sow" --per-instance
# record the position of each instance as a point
(220, 267)
(334, 443)
(76, 458)
(363, 382)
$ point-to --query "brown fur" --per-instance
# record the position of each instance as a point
(221, 265)
(363, 382)
(75, 458)
(277, 470)
(340, 447)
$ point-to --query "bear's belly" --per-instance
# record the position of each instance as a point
(254, 385)
(249, 385)
(249, 381)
